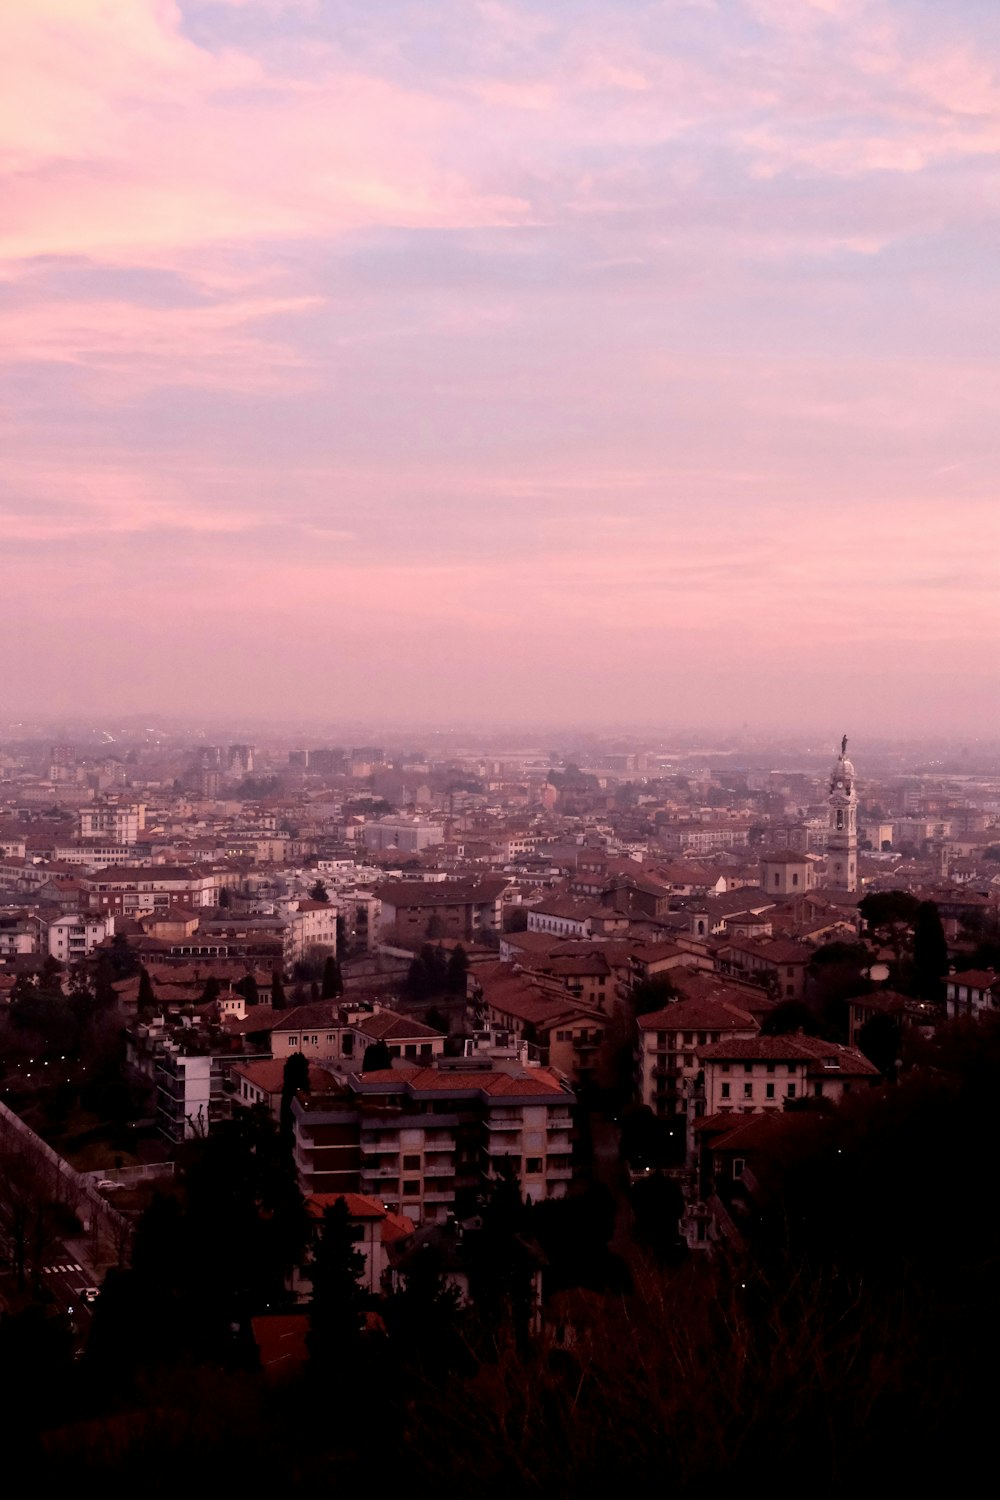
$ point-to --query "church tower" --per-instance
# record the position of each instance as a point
(842, 839)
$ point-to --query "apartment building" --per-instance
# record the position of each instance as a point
(746, 1075)
(425, 1140)
(113, 822)
(73, 937)
(668, 1048)
(449, 908)
(309, 925)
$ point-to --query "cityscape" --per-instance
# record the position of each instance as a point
(499, 746)
(400, 1065)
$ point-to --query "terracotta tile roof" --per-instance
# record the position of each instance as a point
(388, 1025)
(358, 1205)
(269, 1074)
(976, 979)
(796, 1048)
(703, 1014)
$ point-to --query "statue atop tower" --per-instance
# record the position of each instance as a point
(842, 837)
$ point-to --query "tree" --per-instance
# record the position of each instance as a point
(146, 999)
(651, 994)
(248, 988)
(930, 953)
(333, 980)
(225, 900)
(881, 1040)
(890, 915)
(377, 1055)
(336, 1313)
(122, 958)
(211, 991)
(319, 892)
(458, 969)
(277, 990)
(294, 1078)
(789, 1016)
(437, 1019)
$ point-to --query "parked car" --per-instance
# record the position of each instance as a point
(91, 1293)
(108, 1185)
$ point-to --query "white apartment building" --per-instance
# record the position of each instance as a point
(75, 936)
(308, 925)
(183, 1094)
(113, 822)
(408, 835)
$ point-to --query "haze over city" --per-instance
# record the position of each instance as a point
(517, 361)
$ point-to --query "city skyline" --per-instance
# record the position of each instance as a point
(486, 361)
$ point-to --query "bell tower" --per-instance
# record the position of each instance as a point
(842, 838)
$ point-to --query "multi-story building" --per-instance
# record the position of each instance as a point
(669, 1042)
(974, 992)
(745, 1075)
(309, 925)
(426, 1140)
(113, 822)
(778, 963)
(149, 888)
(183, 1093)
(704, 838)
(408, 835)
(450, 908)
(20, 934)
(74, 936)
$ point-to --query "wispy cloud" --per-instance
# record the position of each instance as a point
(645, 337)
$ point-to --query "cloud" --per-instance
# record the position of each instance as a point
(643, 339)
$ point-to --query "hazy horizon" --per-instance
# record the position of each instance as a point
(502, 361)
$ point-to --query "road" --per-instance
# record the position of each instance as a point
(66, 1278)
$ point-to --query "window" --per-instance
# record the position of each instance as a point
(770, 1067)
(726, 1067)
(795, 880)
(689, 1038)
(748, 1067)
(725, 1091)
(411, 1189)
(532, 1166)
(748, 1091)
(739, 1164)
(769, 1091)
(790, 1091)
(411, 1163)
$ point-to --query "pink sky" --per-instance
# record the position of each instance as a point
(508, 358)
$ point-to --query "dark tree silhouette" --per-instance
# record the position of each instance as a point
(377, 1055)
(295, 1079)
(336, 1313)
(333, 980)
(930, 953)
